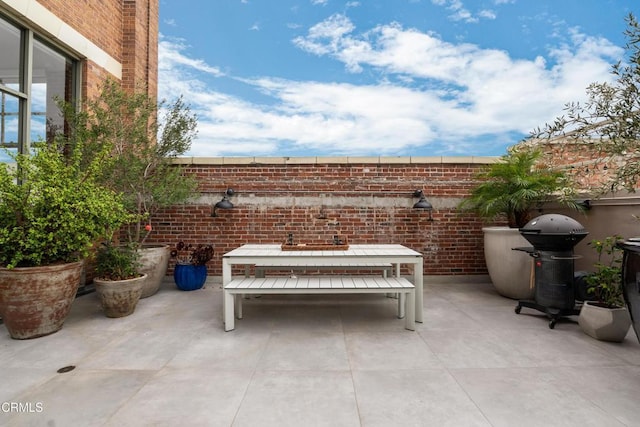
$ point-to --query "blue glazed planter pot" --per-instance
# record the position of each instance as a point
(190, 277)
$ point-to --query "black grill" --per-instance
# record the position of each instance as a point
(553, 237)
(631, 280)
(553, 232)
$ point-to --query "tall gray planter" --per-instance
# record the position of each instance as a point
(154, 262)
(509, 270)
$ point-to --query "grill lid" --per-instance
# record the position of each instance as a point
(553, 232)
(553, 224)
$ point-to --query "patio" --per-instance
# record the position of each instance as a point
(334, 361)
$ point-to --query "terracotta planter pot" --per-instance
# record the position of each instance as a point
(35, 301)
(509, 270)
(154, 262)
(604, 324)
(119, 297)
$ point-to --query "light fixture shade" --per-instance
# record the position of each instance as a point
(225, 203)
(423, 203)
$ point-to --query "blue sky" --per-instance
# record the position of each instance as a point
(382, 78)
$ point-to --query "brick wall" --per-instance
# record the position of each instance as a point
(140, 44)
(127, 30)
(98, 21)
(365, 201)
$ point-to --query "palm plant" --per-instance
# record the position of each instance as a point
(515, 185)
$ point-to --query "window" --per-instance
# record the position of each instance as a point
(33, 75)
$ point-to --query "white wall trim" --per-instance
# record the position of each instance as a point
(335, 160)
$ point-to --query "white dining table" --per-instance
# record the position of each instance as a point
(266, 254)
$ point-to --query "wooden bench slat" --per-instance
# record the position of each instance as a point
(287, 263)
(332, 282)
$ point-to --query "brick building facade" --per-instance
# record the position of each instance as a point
(64, 49)
(124, 35)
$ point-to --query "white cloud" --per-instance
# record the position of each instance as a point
(487, 13)
(432, 95)
(170, 56)
(459, 12)
(324, 37)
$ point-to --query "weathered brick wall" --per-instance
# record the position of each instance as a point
(365, 201)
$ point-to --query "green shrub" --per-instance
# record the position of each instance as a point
(52, 210)
(605, 283)
(117, 262)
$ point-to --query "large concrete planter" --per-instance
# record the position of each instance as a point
(154, 262)
(509, 270)
(604, 324)
(35, 301)
(119, 298)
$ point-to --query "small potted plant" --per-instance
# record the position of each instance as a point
(190, 272)
(606, 317)
(118, 281)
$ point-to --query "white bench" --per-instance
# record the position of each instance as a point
(387, 268)
(317, 285)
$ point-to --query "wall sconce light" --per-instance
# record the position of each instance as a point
(585, 204)
(225, 203)
(423, 203)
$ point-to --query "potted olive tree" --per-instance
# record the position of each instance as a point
(52, 210)
(508, 191)
(145, 136)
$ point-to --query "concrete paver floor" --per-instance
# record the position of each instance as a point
(319, 361)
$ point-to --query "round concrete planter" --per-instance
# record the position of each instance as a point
(604, 324)
(154, 262)
(119, 297)
(509, 270)
(35, 301)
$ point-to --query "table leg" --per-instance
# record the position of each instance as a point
(418, 278)
(238, 302)
(226, 278)
(228, 310)
(409, 320)
(402, 299)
